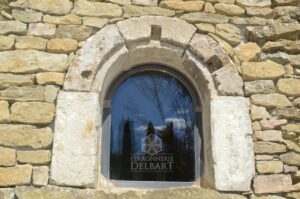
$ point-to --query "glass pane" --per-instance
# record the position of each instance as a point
(152, 133)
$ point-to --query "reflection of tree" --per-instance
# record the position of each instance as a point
(150, 129)
(170, 100)
(169, 97)
(126, 150)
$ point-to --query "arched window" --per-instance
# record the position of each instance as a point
(154, 128)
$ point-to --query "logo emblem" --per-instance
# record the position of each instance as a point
(151, 144)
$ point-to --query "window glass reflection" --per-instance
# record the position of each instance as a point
(152, 132)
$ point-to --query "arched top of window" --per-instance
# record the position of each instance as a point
(154, 135)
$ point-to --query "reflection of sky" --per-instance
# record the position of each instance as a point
(130, 102)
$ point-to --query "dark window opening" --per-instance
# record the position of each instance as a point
(152, 129)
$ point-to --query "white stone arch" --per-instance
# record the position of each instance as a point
(172, 42)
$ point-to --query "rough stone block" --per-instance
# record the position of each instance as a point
(40, 175)
(32, 61)
(4, 111)
(95, 51)
(7, 157)
(272, 183)
(25, 136)
(18, 175)
(34, 157)
(234, 169)
(75, 157)
(32, 112)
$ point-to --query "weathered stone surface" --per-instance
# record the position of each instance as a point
(188, 6)
(272, 123)
(262, 70)
(289, 87)
(255, 3)
(229, 33)
(282, 45)
(283, 58)
(263, 147)
(293, 195)
(7, 193)
(8, 157)
(123, 2)
(50, 192)
(25, 136)
(259, 87)
(229, 82)
(59, 7)
(249, 21)
(248, 52)
(96, 9)
(4, 112)
(239, 178)
(289, 70)
(12, 27)
(50, 78)
(32, 112)
(6, 43)
(70, 19)
(273, 32)
(62, 45)
(90, 56)
(269, 135)
(40, 175)
(18, 175)
(209, 51)
(228, 9)
(290, 169)
(51, 92)
(169, 27)
(29, 42)
(270, 100)
(272, 183)
(258, 113)
(27, 16)
(200, 17)
(209, 8)
(94, 22)
(256, 126)
(259, 12)
(204, 27)
(136, 11)
(296, 102)
(145, 2)
(268, 167)
(286, 2)
(79, 33)
(292, 146)
(29, 61)
(264, 157)
(25, 93)
(225, 45)
(75, 166)
(285, 10)
(11, 80)
(41, 30)
(288, 113)
(291, 127)
(34, 157)
(291, 158)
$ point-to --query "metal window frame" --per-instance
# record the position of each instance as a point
(151, 68)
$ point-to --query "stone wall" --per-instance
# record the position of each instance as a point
(39, 39)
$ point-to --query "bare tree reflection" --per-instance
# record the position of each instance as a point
(173, 108)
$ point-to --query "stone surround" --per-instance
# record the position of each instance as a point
(58, 59)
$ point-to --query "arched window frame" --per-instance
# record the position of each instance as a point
(151, 68)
